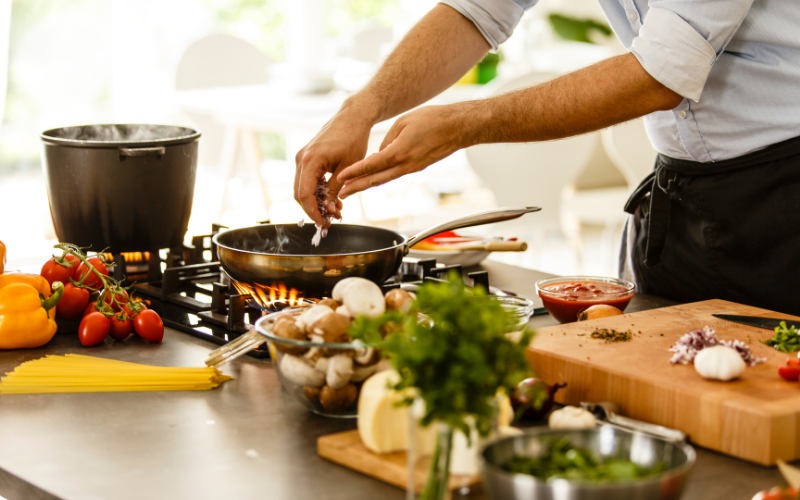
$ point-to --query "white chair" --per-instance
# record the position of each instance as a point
(222, 60)
(531, 174)
(5, 29)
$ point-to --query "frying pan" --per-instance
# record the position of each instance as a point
(274, 254)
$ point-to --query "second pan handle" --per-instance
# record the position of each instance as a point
(488, 217)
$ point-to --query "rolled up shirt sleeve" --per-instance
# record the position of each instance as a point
(679, 41)
(495, 19)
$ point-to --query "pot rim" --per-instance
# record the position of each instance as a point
(190, 136)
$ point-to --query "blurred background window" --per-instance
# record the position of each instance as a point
(118, 61)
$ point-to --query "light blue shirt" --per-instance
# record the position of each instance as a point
(735, 62)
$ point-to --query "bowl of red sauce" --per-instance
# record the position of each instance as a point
(565, 297)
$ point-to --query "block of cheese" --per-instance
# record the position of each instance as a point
(384, 427)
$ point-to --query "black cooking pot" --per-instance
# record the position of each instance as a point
(127, 187)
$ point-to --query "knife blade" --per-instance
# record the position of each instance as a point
(759, 322)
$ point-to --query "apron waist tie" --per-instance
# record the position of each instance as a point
(659, 185)
(663, 181)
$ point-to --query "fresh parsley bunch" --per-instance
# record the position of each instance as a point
(459, 359)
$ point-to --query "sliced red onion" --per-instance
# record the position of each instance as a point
(687, 347)
(321, 195)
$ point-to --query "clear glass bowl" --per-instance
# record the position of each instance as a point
(520, 308)
(565, 308)
(312, 396)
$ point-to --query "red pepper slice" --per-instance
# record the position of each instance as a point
(789, 372)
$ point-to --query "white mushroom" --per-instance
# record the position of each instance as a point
(313, 354)
(362, 373)
(383, 365)
(311, 315)
(329, 302)
(342, 309)
(322, 364)
(300, 372)
(332, 328)
(399, 300)
(288, 329)
(366, 356)
(338, 290)
(364, 298)
(340, 369)
(336, 400)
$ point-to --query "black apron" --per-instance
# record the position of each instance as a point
(728, 230)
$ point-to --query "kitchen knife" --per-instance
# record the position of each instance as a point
(758, 322)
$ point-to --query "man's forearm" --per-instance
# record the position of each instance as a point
(605, 94)
(438, 51)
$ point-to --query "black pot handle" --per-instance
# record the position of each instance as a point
(159, 150)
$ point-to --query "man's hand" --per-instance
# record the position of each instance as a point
(340, 143)
(416, 140)
(431, 57)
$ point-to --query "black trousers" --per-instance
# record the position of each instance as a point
(728, 230)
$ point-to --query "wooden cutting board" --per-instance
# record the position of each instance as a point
(345, 448)
(756, 417)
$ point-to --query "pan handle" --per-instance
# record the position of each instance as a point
(488, 217)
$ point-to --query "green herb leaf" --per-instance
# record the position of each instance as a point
(785, 339)
(459, 359)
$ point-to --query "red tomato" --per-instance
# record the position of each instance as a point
(777, 493)
(120, 329)
(787, 372)
(91, 308)
(92, 280)
(73, 302)
(93, 329)
(121, 298)
(148, 325)
(52, 271)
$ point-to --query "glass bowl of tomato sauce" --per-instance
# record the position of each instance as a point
(565, 297)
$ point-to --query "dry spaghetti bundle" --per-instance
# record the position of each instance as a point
(76, 373)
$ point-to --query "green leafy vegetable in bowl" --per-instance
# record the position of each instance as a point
(785, 339)
(565, 461)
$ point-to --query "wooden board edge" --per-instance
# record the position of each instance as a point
(386, 471)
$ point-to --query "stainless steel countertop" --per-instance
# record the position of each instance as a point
(247, 439)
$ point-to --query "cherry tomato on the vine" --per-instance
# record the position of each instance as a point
(91, 308)
(73, 302)
(148, 325)
(92, 280)
(120, 329)
(52, 271)
(120, 297)
(93, 329)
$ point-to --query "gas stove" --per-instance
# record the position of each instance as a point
(192, 294)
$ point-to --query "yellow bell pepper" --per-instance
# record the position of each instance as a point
(38, 282)
(2, 257)
(25, 319)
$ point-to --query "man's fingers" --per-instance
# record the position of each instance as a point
(368, 181)
(369, 165)
(309, 175)
(392, 134)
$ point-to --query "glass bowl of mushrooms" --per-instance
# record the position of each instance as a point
(316, 359)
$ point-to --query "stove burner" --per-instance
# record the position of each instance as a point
(187, 287)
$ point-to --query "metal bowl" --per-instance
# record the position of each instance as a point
(605, 441)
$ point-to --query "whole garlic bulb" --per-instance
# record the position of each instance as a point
(571, 417)
(719, 363)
